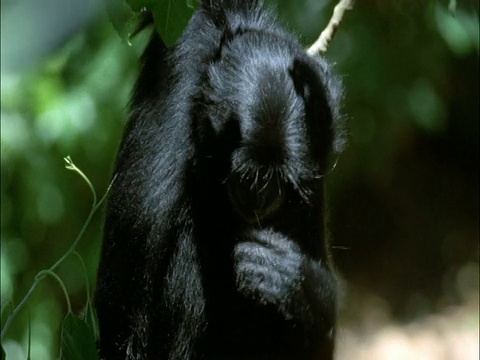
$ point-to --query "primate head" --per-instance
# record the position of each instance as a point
(276, 109)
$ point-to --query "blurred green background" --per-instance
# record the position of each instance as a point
(403, 200)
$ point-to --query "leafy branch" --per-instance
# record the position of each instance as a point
(72, 250)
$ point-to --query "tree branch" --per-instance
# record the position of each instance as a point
(321, 44)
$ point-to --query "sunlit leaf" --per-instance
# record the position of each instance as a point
(78, 342)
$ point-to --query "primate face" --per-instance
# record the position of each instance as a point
(257, 194)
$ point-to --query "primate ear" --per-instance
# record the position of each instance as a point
(307, 77)
(297, 74)
(323, 95)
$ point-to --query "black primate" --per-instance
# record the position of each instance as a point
(215, 243)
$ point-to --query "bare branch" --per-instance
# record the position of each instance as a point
(321, 44)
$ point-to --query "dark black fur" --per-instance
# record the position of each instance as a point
(214, 238)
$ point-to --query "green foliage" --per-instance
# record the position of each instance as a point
(78, 342)
(78, 334)
(170, 16)
(90, 319)
(123, 18)
(42, 207)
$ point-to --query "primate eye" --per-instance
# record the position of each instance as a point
(253, 200)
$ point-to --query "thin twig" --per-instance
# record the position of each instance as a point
(20, 306)
(321, 44)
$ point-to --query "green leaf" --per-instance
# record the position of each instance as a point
(78, 341)
(90, 318)
(171, 18)
(4, 356)
(122, 17)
